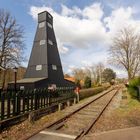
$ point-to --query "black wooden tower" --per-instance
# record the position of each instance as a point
(44, 65)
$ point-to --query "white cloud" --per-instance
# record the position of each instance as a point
(71, 68)
(120, 18)
(88, 28)
(76, 27)
(93, 12)
(62, 47)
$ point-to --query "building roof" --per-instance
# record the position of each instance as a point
(29, 80)
(72, 79)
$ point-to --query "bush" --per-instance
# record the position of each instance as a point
(77, 82)
(132, 88)
(84, 93)
(87, 82)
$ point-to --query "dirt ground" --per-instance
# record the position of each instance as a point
(123, 112)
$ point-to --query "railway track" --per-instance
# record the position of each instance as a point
(79, 122)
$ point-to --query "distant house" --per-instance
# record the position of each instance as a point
(72, 79)
(10, 75)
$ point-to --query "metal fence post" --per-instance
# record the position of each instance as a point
(2, 106)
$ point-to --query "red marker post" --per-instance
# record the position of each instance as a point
(77, 91)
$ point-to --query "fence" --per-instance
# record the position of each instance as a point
(13, 104)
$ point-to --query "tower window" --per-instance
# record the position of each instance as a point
(54, 67)
(38, 67)
(41, 25)
(49, 25)
(50, 42)
(42, 42)
(49, 16)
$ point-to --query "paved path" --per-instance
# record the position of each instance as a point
(132, 133)
(50, 135)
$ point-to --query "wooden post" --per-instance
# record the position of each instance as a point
(74, 101)
(2, 106)
(8, 104)
(59, 106)
(31, 117)
(68, 103)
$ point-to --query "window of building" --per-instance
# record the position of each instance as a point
(49, 16)
(42, 42)
(42, 24)
(49, 25)
(54, 67)
(50, 42)
(38, 67)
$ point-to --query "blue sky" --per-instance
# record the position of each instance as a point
(87, 25)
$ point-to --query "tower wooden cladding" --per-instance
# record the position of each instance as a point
(45, 60)
(44, 67)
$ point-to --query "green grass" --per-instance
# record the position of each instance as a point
(128, 104)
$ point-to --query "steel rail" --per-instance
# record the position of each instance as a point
(90, 126)
(63, 119)
(72, 113)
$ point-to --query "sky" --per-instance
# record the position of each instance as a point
(84, 28)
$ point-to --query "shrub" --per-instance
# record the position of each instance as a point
(132, 88)
(84, 93)
(77, 82)
(87, 82)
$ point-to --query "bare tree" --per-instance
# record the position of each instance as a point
(87, 72)
(79, 74)
(99, 71)
(125, 51)
(11, 42)
(96, 72)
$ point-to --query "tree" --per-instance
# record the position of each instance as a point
(11, 42)
(125, 51)
(108, 75)
(78, 74)
(99, 71)
(87, 82)
(96, 72)
(77, 82)
(66, 75)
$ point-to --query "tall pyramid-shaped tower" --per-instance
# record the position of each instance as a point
(44, 65)
(45, 60)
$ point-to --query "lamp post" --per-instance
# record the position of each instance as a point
(15, 79)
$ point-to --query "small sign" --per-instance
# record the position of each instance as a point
(21, 87)
(38, 67)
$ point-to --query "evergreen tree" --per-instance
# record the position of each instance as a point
(87, 82)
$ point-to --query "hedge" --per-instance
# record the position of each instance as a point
(84, 93)
(132, 87)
